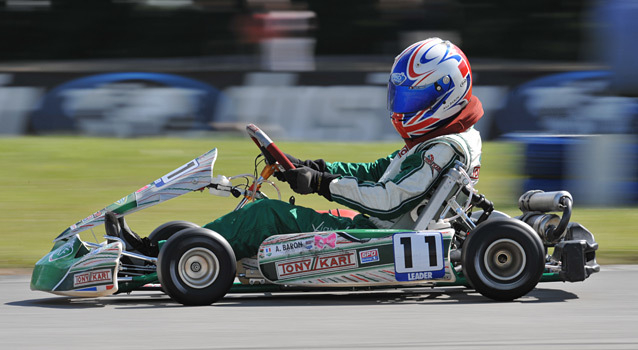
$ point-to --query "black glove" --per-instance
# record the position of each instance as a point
(295, 161)
(319, 165)
(305, 180)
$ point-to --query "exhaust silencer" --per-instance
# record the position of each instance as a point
(537, 200)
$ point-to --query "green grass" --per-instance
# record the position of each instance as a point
(49, 183)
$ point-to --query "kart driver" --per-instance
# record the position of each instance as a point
(430, 97)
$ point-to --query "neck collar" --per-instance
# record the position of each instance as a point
(463, 121)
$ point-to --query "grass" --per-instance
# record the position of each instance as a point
(49, 183)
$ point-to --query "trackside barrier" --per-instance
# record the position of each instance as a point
(596, 169)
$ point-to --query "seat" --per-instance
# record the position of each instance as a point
(117, 227)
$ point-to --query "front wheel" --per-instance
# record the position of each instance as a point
(196, 266)
(503, 259)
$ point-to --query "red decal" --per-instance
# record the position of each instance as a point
(295, 267)
(475, 172)
(142, 189)
(91, 277)
(463, 68)
(317, 264)
(357, 277)
(411, 73)
(430, 160)
(403, 151)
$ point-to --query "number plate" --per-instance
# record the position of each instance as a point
(418, 256)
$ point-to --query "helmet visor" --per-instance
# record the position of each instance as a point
(408, 99)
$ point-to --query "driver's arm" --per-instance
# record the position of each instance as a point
(393, 197)
(362, 171)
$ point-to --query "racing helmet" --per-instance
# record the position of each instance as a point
(430, 82)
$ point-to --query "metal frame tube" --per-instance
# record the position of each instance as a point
(435, 204)
(140, 256)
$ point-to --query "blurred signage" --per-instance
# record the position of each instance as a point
(292, 105)
(126, 104)
(569, 103)
(16, 103)
(343, 113)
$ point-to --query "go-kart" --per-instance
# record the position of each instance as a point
(459, 240)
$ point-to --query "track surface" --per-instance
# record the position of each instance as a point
(601, 313)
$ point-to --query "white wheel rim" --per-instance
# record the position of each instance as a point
(198, 268)
(504, 259)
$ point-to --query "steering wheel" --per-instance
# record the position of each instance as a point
(268, 148)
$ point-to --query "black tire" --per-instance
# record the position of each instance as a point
(196, 266)
(503, 259)
(165, 231)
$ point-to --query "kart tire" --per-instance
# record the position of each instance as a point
(165, 231)
(503, 259)
(196, 266)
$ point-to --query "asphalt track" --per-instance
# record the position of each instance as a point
(601, 313)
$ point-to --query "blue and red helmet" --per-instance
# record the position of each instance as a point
(430, 82)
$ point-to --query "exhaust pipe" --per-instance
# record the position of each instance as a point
(532, 202)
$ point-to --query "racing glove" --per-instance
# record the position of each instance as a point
(318, 164)
(306, 180)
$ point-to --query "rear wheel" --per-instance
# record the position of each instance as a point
(196, 266)
(503, 259)
(165, 231)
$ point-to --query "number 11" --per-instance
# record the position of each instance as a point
(407, 250)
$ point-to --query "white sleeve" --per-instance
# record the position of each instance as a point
(401, 192)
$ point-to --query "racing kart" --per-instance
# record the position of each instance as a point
(459, 240)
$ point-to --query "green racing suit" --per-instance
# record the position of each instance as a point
(387, 192)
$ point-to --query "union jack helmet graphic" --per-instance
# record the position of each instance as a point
(430, 82)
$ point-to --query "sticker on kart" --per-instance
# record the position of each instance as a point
(315, 265)
(418, 256)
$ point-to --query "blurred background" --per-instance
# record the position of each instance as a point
(557, 79)
(317, 70)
